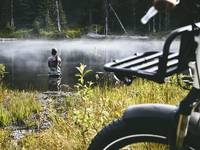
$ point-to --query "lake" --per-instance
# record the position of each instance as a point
(26, 60)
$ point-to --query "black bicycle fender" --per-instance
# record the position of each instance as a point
(166, 116)
(150, 111)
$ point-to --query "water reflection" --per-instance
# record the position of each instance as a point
(54, 83)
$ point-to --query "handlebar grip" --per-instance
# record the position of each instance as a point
(165, 5)
(151, 12)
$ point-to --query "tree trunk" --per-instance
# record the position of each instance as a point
(167, 21)
(106, 16)
(11, 14)
(47, 18)
(154, 25)
(160, 22)
(90, 17)
(118, 19)
(134, 18)
(58, 16)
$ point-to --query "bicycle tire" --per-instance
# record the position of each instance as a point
(121, 133)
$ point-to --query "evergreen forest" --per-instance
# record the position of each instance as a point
(87, 15)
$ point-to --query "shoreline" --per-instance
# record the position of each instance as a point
(92, 37)
(8, 39)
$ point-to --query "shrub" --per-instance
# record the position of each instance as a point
(22, 106)
(2, 71)
(59, 35)
(6, 139)
(73, 33)
(18, 107)
(9, 29)
(4, 116)
(36, 27)
(22, 33)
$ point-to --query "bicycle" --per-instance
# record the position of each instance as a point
(175, 126)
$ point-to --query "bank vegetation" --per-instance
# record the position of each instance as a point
(86, 112)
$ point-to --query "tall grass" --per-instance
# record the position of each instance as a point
(5, 140)
(16, 107)
(87, 114)
(42, 33)
(108, 103)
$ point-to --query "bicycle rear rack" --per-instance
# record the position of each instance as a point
(156, 66)
(144, 65)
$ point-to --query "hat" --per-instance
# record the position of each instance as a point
(54, 51)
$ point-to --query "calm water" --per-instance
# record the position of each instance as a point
(26, 61)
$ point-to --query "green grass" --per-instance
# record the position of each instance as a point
(17, 107)
(5, 140)
(105, 104)
(87, 112)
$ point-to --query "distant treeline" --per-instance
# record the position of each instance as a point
(87, 14)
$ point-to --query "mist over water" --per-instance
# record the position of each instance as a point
(26, 60)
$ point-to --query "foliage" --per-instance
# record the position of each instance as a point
(96, 28)
(8, 29)
(5, 118)
(73, 33)
(43, 33)
(22, 107)
(21, 33)
(18, 107)
(59, 35)
(82, 72)
(108, 103)
(86, 112)
(65, 33)
(54, 139)
(2, 71)
(6, 139)
(36, 27)
(74, 13)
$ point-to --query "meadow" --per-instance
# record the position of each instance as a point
(75, 118)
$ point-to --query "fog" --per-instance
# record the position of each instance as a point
(26, 60)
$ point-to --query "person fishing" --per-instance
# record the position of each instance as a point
(54, 64)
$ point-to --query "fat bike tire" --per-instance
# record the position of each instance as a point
(120, 133)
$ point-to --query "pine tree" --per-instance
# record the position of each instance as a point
(24, 13)
(4, 14)
(57, 14)
(42, 9)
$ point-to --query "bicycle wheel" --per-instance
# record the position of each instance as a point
(125, 135)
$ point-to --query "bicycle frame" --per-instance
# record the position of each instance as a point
(124, 68)
(188, 105)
